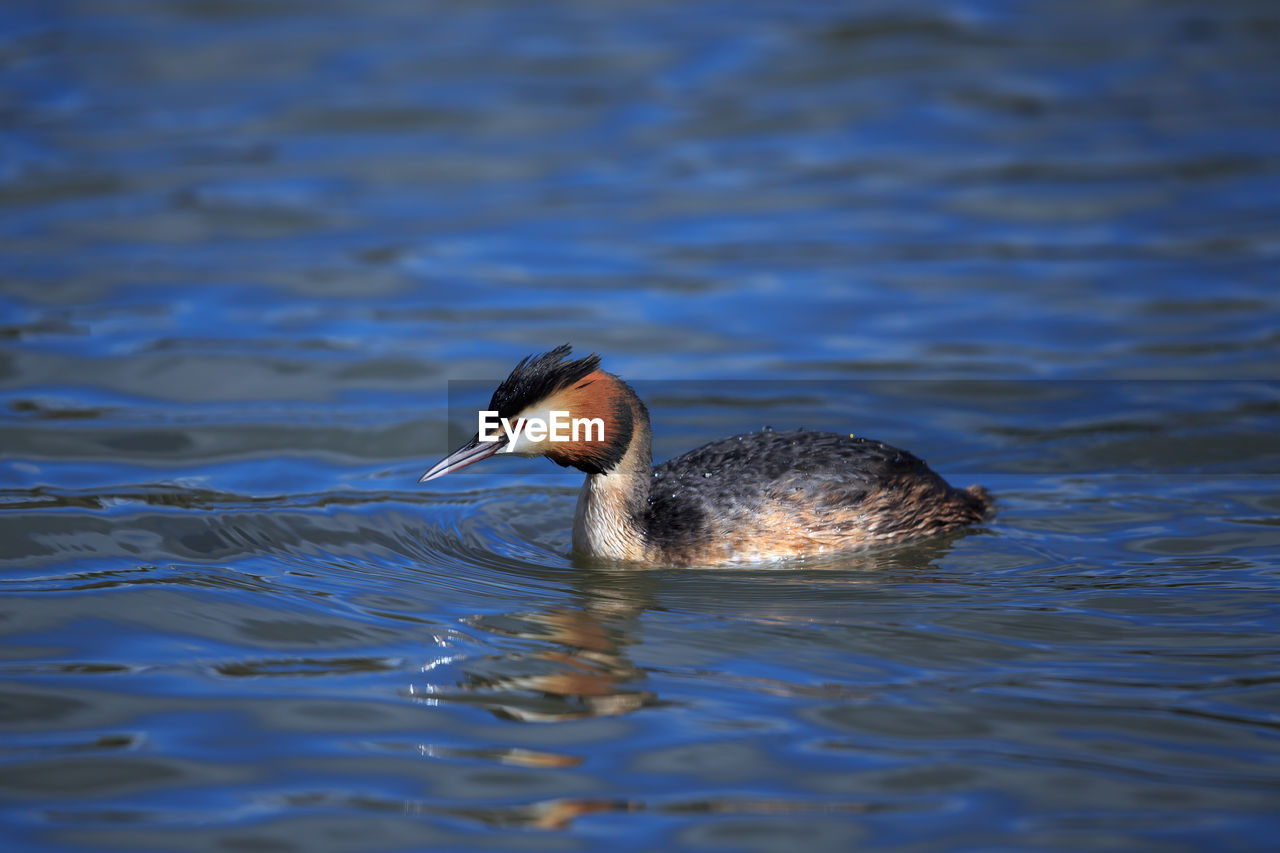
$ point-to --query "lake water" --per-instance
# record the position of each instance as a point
(246, 249)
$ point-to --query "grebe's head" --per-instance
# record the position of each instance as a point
(567, 410)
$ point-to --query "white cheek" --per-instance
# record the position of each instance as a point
(522, 446)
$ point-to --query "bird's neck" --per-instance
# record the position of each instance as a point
(609, 522)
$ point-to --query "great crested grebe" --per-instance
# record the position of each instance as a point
(756, 497)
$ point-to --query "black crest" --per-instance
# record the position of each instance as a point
(538, 377)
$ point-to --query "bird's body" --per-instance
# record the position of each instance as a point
(787, 494)
(755, 497)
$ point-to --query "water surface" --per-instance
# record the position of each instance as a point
(245, 248)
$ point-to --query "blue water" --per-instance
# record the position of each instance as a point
(248, 252)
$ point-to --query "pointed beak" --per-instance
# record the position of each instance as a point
(468, 454)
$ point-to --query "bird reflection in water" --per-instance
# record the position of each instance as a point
(572, 663)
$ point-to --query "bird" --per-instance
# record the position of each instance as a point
(758, 497)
